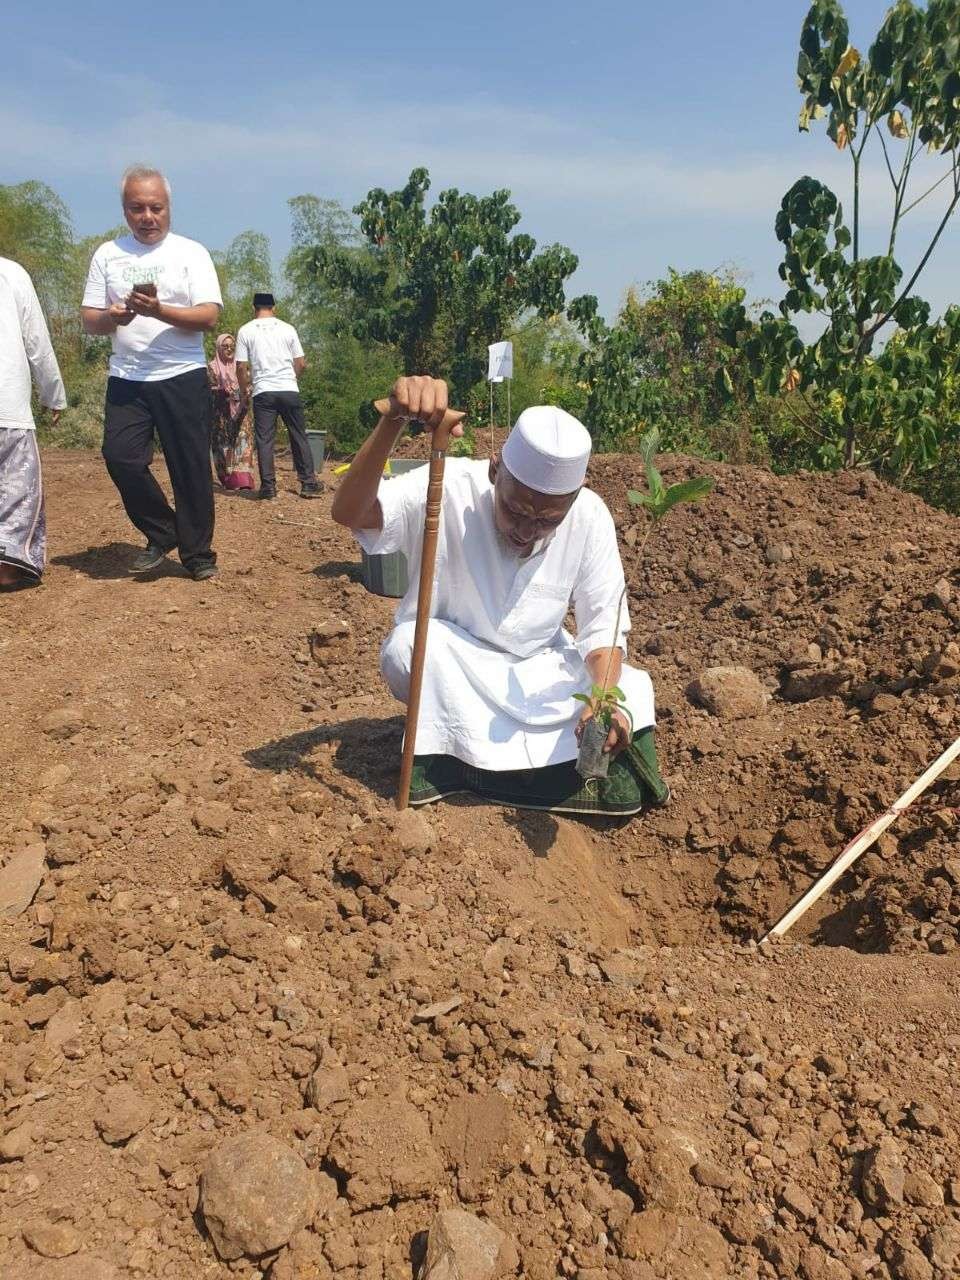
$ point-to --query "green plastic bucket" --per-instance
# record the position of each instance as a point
(388, 575)
(318, 447)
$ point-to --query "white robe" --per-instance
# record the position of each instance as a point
(501, 670)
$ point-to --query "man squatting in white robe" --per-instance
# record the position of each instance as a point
(520, 540)
(25, 349)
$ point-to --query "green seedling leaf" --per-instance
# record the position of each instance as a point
(638, 499)
(694, 490)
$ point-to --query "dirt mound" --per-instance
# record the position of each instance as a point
(561, 1028)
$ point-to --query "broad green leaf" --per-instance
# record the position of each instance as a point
(693, 490)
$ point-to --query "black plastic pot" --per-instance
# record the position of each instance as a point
(593, 761)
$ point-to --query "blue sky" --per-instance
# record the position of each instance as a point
(640, 135)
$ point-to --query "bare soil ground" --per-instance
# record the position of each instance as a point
(235, 933)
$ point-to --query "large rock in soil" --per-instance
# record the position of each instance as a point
(383, 1148)
(730, 693)
(461, 1246)
(255, 1193)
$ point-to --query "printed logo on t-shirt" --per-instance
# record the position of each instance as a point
(134, 273)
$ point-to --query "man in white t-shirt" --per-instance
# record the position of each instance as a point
(25, 349)
(155, 294)
(270, 356)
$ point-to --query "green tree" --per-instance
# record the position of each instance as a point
(36, 231)
(440, 285)
(319, 310)
(244, 269)
(656, 365)
(849, 399)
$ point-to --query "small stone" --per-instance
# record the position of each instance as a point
(63, 1026)
(255, 1193)
(437, 1010)
(708, 1174)
(752, 1085)
(461, 1246)
(624, 968)
(414, 832)
(919, 1188)
(17, 1143)
(20, 879)
(906, 1262)
(122, 1112)
(794, 1198)
(942, 1246)
(923, 1117)
(62, 723)
(326, 633)
(326, 1086)
(730, 693)
(56, 776)
(778, 553)
(831, 1065)
(52, 1239)
(883, 1175)
(942, 592)
(213, 818)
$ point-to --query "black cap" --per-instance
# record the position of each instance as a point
(263, 300)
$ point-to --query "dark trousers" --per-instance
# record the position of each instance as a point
(266, 406)
(178, 409)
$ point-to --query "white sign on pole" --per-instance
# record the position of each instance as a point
(501, 361)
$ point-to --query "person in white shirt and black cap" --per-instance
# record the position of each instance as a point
(270, 356)
(520, 542)
(155, 294)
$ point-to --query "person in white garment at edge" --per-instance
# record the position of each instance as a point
(521, 540)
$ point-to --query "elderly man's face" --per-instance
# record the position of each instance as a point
(522, 516)
(146, 208)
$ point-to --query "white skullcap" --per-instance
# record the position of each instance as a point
(548, 450)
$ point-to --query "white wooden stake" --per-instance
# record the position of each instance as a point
(859, 844)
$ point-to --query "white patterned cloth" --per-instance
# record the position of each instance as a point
(23, 525)
(501, 670)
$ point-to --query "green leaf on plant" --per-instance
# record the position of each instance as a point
(694, 490)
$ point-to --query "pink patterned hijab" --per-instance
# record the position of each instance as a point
(225, 371)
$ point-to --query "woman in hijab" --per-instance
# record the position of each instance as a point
(231, 438)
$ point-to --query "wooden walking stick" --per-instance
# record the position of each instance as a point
(428, 561)
(859, 844)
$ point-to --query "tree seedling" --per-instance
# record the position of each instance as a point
(605, 700)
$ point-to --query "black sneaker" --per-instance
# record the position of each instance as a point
(148, 558)
(313, 490)
(201, 572)
(266, 494)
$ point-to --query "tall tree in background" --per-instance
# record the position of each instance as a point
(894, 407)
(319, 310)
(36, 230)
(244, 269)
(439, 285)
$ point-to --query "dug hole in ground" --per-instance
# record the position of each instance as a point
(254, 1023)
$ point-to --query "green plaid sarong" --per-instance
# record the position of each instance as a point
(634, 783)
